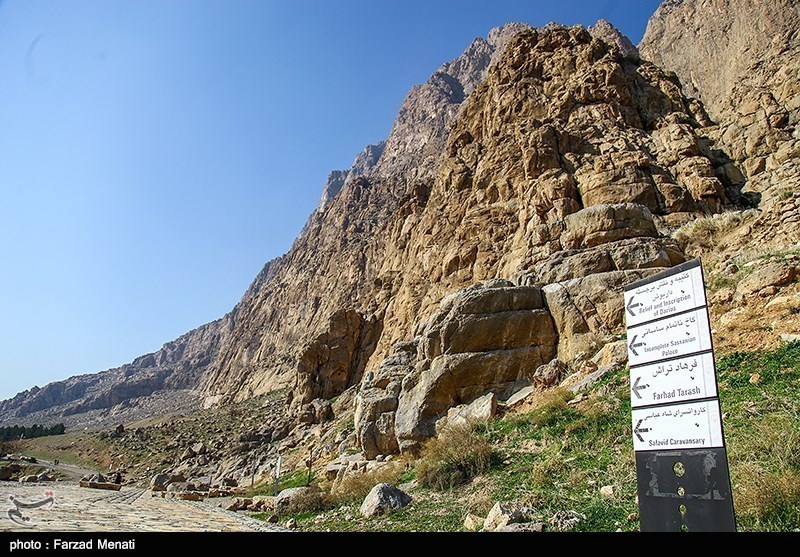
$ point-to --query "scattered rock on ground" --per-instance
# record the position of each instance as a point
(383, 499)
(502, 514)
(297, 499)
(159, 482)
(473, 523)
(522, 527)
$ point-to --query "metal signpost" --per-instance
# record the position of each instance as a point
(681, 463)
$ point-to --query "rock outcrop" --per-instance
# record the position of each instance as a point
(742, 59)
(483, 338)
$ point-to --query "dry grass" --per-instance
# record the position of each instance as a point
(772, 499)
(455, 457)
(354, 487)
(705, 230)
(766, 466)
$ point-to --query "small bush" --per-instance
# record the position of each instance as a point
(455, 457)
(354, 487)
(773, 500)
(702, 230)
(552, 408)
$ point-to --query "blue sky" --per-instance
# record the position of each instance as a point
(155, 154)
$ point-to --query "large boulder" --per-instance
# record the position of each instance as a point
(297, 499)
(5, 473)
(620, 255)
(159, 482)
(601, 224)
(589, 308)
(484, 338)
(383, 499)
(479, 411)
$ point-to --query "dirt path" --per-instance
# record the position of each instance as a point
(71, 471)
(76, 509)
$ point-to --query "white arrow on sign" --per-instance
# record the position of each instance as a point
(692, 425)
(673, 294)
(687, 378)
(672, 337)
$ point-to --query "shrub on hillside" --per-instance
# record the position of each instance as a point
(455, 457)
(353, 487)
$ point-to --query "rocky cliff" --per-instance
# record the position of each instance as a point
(742, 60)
(520, 187)
(156, 383)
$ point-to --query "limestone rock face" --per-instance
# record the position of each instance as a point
(335, 360)
(483, 338)
(742, 59)
(377, 400)
(605, 31)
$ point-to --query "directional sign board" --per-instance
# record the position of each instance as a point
(671, 337)
(676, 422)
(695, 425)
(685, 378)
(678, 292)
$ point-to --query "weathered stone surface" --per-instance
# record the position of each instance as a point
(601, 224)
(519, 396)
(783, 303)
(30, 478)
(479, 411)
(612, 354)
(5, 473)
(550, 374)
(452, 379)
(335, 360)
(502, 514)
(297, 499)
(473, 523)
(377, 400)
(586, 307)
(604, 31)
(383, 499)
(175, 487)
(239, 504)
(771, 274)
(747, 77)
